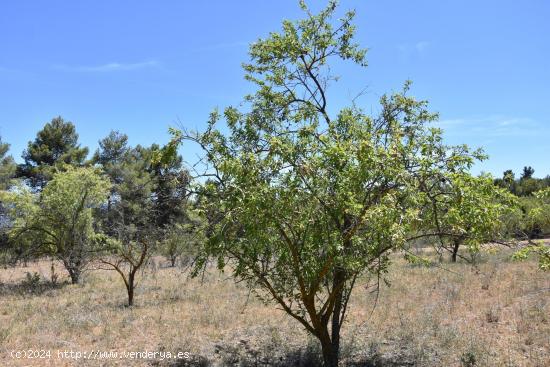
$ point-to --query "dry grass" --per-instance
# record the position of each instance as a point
(497, 314)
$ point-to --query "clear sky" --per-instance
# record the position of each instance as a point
(141, 66)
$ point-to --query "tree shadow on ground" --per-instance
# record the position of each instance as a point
(306, 356)
(31, 285)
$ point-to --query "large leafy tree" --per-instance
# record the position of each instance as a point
(310, 199)
(55, 146)
(58, 221)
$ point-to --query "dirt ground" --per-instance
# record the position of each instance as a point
(494, 314)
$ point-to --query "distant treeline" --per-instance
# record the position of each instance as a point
(525, 185)
(117, 207)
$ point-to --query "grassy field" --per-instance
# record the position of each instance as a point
(495, 314)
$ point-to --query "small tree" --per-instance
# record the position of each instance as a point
(148, 200)
(129, 254)
(129, 218)
(311, 200)
(536, 219)
(182, 238)
(469, 211)
(535, 215)
(59, 220)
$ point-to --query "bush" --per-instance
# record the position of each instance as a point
(31, 282)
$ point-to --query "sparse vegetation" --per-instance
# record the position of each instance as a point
(428, 316)
(313, 200)
(58, 221)
(307, 234)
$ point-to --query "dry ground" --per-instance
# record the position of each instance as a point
(495, 314)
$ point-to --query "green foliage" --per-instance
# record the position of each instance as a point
(31, 283)
(533, 218)
(417, 260)
(59, 220)
(533, 221)
(7, 172)
(144, 189)
(543, 194)
(7, 166)
(55, 146)
(527, 173)
(540, 250)
(170, 187)
(129, 218)
(309, 200)
(526, 185)
(183, 239)
(468, 359)
(148, 199)
(131, 198)
(470, 211)
(112, 149)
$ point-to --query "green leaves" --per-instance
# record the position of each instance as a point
(58, 221)
(540, 250)
(469, 210)
(55, 145)
(74, 192)
(168, 154)
(7, 166)
(307, 200)
(532, 218)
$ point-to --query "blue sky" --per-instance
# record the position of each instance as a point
(141, 66)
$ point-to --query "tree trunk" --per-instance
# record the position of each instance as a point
(339, 279)
(330, 355)
(173, 261)
(330, 342)
(75, 275)
(130, 288)
(456, 245)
